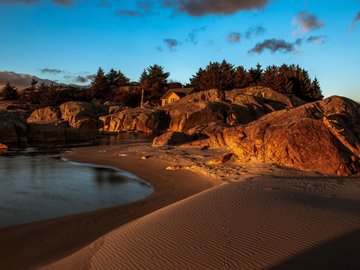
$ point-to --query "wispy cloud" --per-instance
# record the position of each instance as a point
(205, 7)
(193, 35)
(103, 3)
(275, 45)
(306, 22)
(234, 37)
(142, 9)
(319, 40)
(128, 13)
(171, 43)
(51, 71)
(355, 21)
(255, 31)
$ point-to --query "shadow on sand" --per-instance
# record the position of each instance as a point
(342, 253)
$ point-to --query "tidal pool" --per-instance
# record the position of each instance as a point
(38, 184)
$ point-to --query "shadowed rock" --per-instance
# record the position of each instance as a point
(12, 127)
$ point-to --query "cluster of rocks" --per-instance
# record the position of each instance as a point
(71, 121)
(255, 123)
(322, 136)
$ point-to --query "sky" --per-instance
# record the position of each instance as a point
(68, 40)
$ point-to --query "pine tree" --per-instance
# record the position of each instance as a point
(241, 78)
(122, 79)
(112, 79)
(315, 90)
(227, 76)
(154, 81)
(100, 86)
(9, 92)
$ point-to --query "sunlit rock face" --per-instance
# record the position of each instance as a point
(47, 114)
(145, 120)
(323, 136)
(239, 106)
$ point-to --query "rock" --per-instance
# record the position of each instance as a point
(116, 109)
(145, 157)
(52, 132)
(323, 136)
(79, 114)
(136, 119)
(171, 138)
(47, 114)
(3, 147)
(13, 127)
(46, 132)
(220, 160)
(239, 106)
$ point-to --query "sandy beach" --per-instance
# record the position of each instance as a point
(201, 216)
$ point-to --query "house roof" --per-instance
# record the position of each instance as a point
(181, 92)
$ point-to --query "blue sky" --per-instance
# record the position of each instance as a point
(64, 39)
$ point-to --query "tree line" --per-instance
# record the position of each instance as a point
(154, 82)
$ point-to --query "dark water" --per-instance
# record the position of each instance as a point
(36, 183)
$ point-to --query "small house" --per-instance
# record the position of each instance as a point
(175, 94)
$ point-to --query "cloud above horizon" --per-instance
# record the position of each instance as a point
(316, 40)
(198, 8)
(275, 45)
(51, 71)
(355, 21)
(193, 35)
(234, 37)
(255, 31)
(306, 22)
(171, 43)
(143, 8)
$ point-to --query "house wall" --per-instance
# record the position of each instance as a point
(172, 98)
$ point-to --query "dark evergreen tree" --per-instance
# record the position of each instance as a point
(100, 86)
(255, 75)
(315, 90)
(227, 76)
(241, 78)
(122, 79)
(112, 79)
(154, 81)
(9, 92)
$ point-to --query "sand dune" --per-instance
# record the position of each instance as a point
(273, 223)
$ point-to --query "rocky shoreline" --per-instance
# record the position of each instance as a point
(255, 123)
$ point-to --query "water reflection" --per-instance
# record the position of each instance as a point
(37, 184)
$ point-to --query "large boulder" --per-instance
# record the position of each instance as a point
(323, 136)
(79, 114)
(239, 106)
(47, 114)
(145, 120)
(13, 127)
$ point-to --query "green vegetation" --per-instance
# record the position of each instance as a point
(286, 79)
